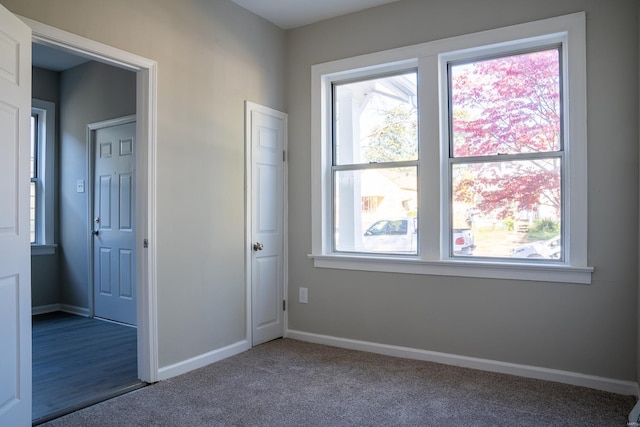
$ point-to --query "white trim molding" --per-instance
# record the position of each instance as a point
(464, 268)
(38, 250)
(44, 309)
(66, 308)
(146, 130)
(72, 309)
(202, 360)
(527, 371)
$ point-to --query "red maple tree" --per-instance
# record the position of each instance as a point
(503, 110)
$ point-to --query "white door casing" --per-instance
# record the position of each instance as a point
(114, 251)
(15, 248)
(266, 171)
(146, 114)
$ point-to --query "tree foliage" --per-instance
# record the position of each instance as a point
(395, 138)
(504, 106)
(509, 105)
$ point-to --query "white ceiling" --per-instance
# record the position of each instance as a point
(54, 59)
(288, 14)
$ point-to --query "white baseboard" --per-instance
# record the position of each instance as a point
(44, 309)
(72, 309)
(51, 308)
(202, 360)
(566, 377)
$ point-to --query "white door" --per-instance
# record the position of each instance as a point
(267, 140)
(15, 250)
(114, 221)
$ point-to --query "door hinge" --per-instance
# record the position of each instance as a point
(284, 156)
(145, 243)
(284, 305)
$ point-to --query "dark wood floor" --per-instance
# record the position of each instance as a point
(78, 361)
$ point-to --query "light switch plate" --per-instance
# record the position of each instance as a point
(80, 186)
(303, 295)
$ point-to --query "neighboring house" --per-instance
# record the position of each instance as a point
(386, 197)
(214, 55)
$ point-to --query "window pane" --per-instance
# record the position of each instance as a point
(389, 225)
(513, 208)
(34, 146)
(32, 212)
(506, 105)
(376, 120)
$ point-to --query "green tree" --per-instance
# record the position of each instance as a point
(396, 138)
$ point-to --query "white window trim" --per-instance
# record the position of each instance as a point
(433, 259)
(46, 112)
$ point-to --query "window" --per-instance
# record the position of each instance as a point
(42, 177)
(478, 142)
(34, 178)
(375, 160)
(506, 153)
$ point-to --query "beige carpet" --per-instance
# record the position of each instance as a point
(292, 383)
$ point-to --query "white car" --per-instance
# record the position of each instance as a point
(548, 249)
(392, 236)
(400, 236)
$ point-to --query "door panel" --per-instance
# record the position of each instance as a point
(126, 202)
(15, 248)
(267, 141)
(268, 310)
(104, 271)
(114, 228)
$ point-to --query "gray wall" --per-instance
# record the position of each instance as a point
(45, 85)
(84, 94)
(89, 93)
(45, 281)
(590, 329)
(212, 56)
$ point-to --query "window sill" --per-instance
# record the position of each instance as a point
(542, 272)
(48, 249)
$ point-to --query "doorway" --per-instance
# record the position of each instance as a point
(74, 354)
(144, 70)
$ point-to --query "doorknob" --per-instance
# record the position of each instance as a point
(258, 246)
(95, 232)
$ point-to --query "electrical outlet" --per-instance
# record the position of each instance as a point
(303, 295)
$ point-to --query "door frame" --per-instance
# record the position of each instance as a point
(92, 129)
(248, 194)
(146, 128)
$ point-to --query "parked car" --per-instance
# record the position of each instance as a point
(463, 243)
(400, 235)
(548, 249)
